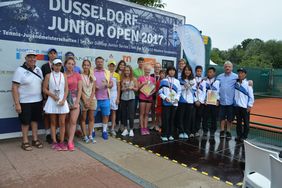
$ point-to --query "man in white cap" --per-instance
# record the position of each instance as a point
(26, 91)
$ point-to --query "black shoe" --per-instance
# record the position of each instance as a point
(49, 139)
(238, 139)
(212, 140)
(211, 134)
(280, 155)
(205, 135)
(222, 134)
(228, 135)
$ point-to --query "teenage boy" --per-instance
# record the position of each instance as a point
(200, 96)
(211, 109)
(243, 102)
(139, 71)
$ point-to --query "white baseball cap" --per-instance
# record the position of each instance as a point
(56, 61)
(30, 52)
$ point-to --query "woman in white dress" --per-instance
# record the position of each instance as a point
(56, 88)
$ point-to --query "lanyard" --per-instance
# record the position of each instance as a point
(170, 82)
(211, 82)
(57, 86)
(198, 81)
(157, 78)
(147, 79)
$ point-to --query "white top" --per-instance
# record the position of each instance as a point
(213, 84)
(170, 88)
(187, 93)
(200, 90)
(57, 82)
(30, 84)
(244, 95)
(56, 86)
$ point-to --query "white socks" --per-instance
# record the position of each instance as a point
(105, 126)
(47, 131)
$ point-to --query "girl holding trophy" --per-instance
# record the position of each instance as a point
(169, 91)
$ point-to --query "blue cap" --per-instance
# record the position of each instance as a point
(52, 49)
(69, 54)
(242, 70)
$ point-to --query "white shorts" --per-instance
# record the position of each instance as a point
(114, 106)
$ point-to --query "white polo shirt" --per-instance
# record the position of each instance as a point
(30, 84)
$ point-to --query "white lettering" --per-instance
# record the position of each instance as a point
(101, 14)
(94, 12)
(111, 32)
(90, 28)
(64, 4)
(119, 16)
(110, 15)
(60, 25)
(99, 30)
(53, 24)
(86, 11)
(52, 7)
(134, 19)
(76, 8)
(127, 33)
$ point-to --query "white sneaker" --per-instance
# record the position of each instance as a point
(131, 133)
(185, 136)
(125, 132)
(171, 138)
(181, 136)
(93, 141)
(164, 139)
(197, 134)
(191, 135)
(113, 132)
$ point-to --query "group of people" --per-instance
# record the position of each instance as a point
(191, 103)
(177, 100)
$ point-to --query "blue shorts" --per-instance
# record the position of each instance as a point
(104, 106)
(226, 113)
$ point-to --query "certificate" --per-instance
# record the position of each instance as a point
(211, 97)
(147, 89)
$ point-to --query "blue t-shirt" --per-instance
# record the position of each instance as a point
(75, 69)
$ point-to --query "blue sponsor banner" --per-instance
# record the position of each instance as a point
(90, 24)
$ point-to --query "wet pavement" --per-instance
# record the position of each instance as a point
(217, 157)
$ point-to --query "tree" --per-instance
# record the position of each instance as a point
(150, 3)
(252, 53)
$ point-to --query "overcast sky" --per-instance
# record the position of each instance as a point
(228, 22)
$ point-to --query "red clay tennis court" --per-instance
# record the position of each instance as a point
(267, 111)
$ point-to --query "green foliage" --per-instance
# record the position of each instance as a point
(150, 3)
(251, 53)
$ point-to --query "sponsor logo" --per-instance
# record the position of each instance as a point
(127, 59)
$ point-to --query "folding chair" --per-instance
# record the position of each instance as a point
(275, 172)
(257, 166)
